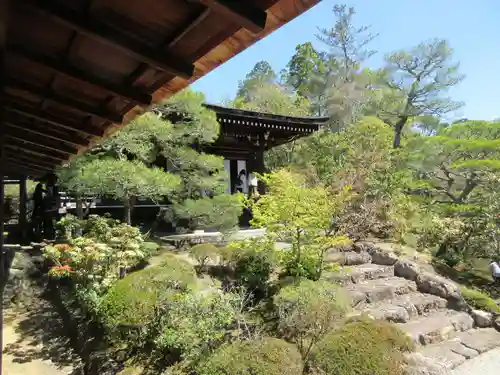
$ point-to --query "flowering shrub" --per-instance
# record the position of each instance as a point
(96, 259)
(60, 271)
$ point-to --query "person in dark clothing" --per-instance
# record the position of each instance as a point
(38, 209)
(52, 205)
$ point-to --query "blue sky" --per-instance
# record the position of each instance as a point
(471, 27)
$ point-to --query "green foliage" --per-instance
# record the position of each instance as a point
(267, 356)
(415, 81)
(479, 300)
(135, 299)
(204, 253)
(95, 259)
(303, 215)
(220, 212)
(195, 323)
(362, 348)
(308, 310)
(131, 164)
(253, 261)
(261, 74)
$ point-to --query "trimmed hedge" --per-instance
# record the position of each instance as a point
(365, 347)
(133, 300)
(268, 356)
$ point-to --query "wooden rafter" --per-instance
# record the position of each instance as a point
(48, 144)
(75, 73)
(34, 166)
(36, 148)
(31, 159)
(51, 119)
(62, 100)
(43, 133)
(239, 12)
(105, 34)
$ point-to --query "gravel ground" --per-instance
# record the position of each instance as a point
(484, 364)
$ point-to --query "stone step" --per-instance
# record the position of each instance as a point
(404, 307)
(356, 274)
(372, 291)
(438, 326)
(466, 345)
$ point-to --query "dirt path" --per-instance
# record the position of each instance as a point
(34, 343)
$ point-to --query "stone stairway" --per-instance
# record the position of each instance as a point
(428, 307)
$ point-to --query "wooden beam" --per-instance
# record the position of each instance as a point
(35, 160)
(19, 147)
(35, 147)
(73, 141)
(53, 120)
(28, 158)
(239, 12)
(33, 166)
(18, 167)
(49, 144)
(75, 73)
(105, 34)
(4, 18)
(63, 100)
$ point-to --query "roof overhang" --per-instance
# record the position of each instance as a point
(74, 72)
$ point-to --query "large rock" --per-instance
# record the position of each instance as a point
(417, 364)
(439, 286)
(384, 257)
(407, 269)
(482, 318)
(437, 327)
(347, 258)
(481, 340)
(352, 258)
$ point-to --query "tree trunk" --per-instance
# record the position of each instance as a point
(398, 129)
(127, 211)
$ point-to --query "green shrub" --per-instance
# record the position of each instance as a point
(227, 254)
(134, 299)
(479, 300)
(193, 324)
(181, 272)
(268, 356)
(253, 268)
(203, 253)
(365, 347)
(308, 310)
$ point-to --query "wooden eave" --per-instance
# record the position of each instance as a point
(76, 71)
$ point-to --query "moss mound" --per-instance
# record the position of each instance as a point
(479, 300)
(365, 347)
(268, 356)
(133, 300)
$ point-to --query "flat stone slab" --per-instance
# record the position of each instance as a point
(448, 354)
(437, 327)
(482, 339)
(405, 307)
(358, 273)
(371, 291)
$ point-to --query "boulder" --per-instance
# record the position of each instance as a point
(407, 269)
(482, 319)
(439, 286)
(363, 246)
(352, 258)
(385, 258)
(421, 365)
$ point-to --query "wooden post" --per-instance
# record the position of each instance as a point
(23, 195)
(259, 163)
(4, 15)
